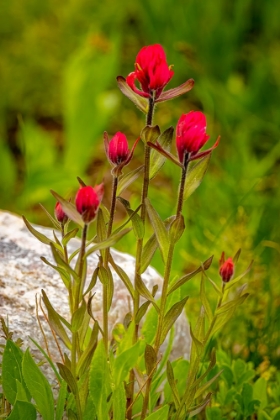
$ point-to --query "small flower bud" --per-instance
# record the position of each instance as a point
(226, 268)
(87, 202)
(118, 151)
(59, 213)
(191, 133)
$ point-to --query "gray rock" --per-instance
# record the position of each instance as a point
(23, 275)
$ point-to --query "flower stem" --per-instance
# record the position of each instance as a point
(106, 262)
(166, 279)
(139, 248)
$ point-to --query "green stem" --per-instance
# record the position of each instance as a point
(70, 291)
(139, 248)
(78, 292)
(166, 279)
(187, 397)
(106, 262)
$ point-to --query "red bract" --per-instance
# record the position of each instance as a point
(191, 133)
(151, 71)
(117, 149)
(59, 213)
(88, 200)
(226, 268)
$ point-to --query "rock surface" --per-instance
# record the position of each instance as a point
(23, 275)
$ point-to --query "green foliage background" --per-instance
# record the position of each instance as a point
(58, 65)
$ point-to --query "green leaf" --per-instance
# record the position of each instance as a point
(23, 410)
(90, 411)
(160, 230)
(198, 409)
(204, 299)
(56, 320)
(141, 312)
(78, 317)
(205, 386)
(150, 325)
(60, 261)
(99, 387)
(150, 133)
(38, 387)
(232, 304)
(119, 402)
(148, 252)
(85, 359)
(260, 392)
(137, 223)
(172, 383)
(125, 362)
(11, 370)
(127, 179)
(171, 316)
(196, 344)
(47, 358)
(150, 358)
(176, 229)
(189, 276)
(213, 413)
(157, 160)
(22, 393)
(69, 209)
(161, 414)
(107, 243)
(139, 101)
(52, 219)
(42, 238)
(61, 400)
(123, 276)
(195, 176)
(62, 272)
(69, 235)
(143, 291)
(67, 375)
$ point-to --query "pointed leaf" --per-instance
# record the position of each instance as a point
(47, 358)
(119, 402)
(11, 370)
(78, 316)
(63, 273)
(159, 228)
(125, 362)
(172, 383)
(143, 291)
(67, 375)
(23, 410)
(128, 179)
(56, 320)
(204, 299)
(141, 312)
(195, 176)
(69, 209)
(232, 282)
(232, 304)
(123, 276)
(139, 101)
(108, 242)
(69, 235)
(42, 238)
(165, 153)
(150, 358)
(61, 400)
(197, 344)
(176, 229)
(178, 91)
(160, 414)
(189, 276)
(205, 386)
(52, 219)
(148, 253)
(196, 410)
(171, 316)
(137, 223)
(157, 160)
(38, 386)
(150, 133)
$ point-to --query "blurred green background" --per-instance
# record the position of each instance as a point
(58, 65)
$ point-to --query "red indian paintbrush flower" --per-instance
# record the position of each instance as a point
(88, 200)
(117, 151)
(191, 133)
(151, 71)
(59, 213)
(226, 268)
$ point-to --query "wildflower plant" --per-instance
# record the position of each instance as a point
(129, 378)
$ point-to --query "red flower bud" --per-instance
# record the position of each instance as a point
(59, 213)
(226, 268)
(88, 200)
(151, 71)
(117, 150)
(191, 133)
